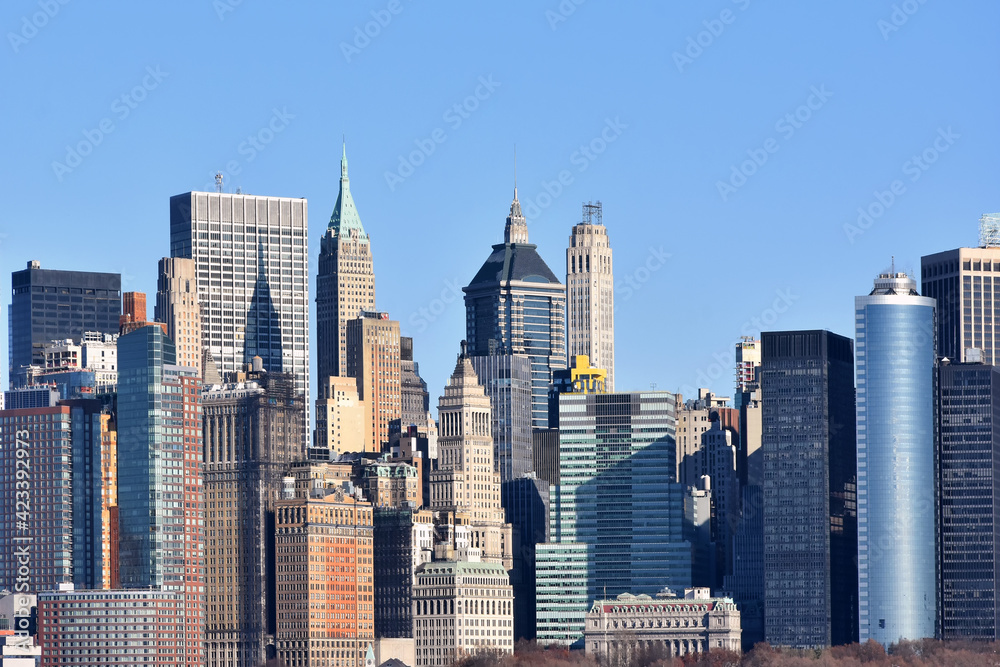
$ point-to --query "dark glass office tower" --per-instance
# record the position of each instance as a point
(48, 305)
(809, 489)
(517, 305)
(969, 482)
(506, 378)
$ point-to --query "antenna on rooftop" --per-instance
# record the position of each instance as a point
(218, 181)
(989, 230)
(593, 213)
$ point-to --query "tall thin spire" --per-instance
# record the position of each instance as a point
(516, 229)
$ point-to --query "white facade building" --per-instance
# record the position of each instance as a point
(461, 608)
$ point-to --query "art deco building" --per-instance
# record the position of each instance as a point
(251, 433)
(590, 292)
(810, 516)
(414, 394)
(461, 608)
(161, 500)
(49, 305)
(696, 623)
(516, 304)
(177, 307)
(345, 283)
(896, 458)
(466, 483)
(251, 256)
(324, 564)
(373, 360)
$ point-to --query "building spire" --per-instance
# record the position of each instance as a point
(516, 229)
(345, 220)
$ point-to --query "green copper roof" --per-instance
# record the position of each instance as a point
(345, 218)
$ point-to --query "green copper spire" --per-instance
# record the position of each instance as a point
(345, 220)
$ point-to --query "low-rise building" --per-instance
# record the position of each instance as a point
(461, 608)
(111, 627)
(693, 624)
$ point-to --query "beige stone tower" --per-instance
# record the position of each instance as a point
(466, 483)
(345, 284)
(177, 307)
(590, 293)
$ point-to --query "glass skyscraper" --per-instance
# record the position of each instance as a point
(516, 305)
(161, 499)
(48, 305)
(895, 440)
(810, 520)
(969, 451)
(615, 519)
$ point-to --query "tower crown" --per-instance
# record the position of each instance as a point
(345, 220)
(516, 229)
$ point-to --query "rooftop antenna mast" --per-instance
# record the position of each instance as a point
(989, 230)
(593, 213)
(218, 181)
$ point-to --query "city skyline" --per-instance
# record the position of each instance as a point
(671, 124)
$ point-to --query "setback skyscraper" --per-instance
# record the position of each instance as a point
(515, 303)
(49, 305)
(590, 293)
(345, 283)
(251, 255)
(810, 524)
(895, 422)
(177, 307)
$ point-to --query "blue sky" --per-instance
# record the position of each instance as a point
(730, 143)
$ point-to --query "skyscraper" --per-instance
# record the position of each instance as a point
(345, 283)
(373, 360)
(895, 422)
(48, 305)
(161, 501)
(516, 303)
(968, 404)
(506, 378)
(324, 559)
(590, 292)
(466, 482)
(251, 433)
(414, 395)
(251, 255)
(964, 282)
(810, 521)
(616, 518)
(177, 307)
